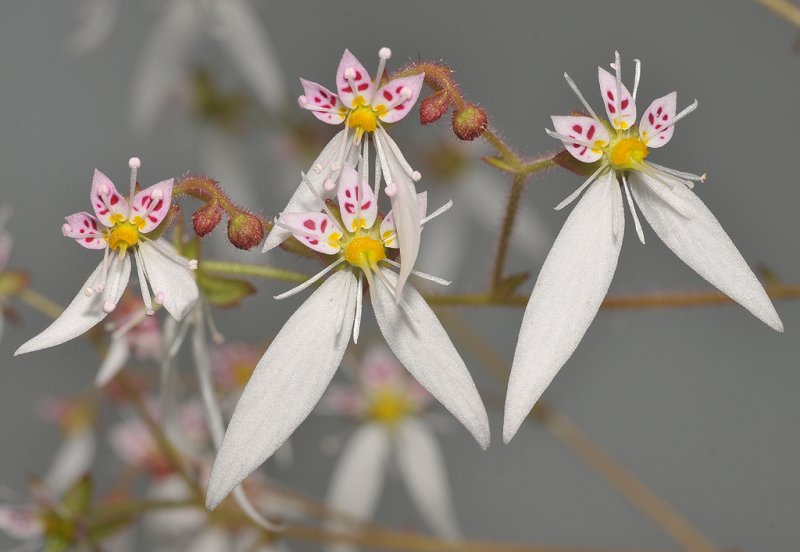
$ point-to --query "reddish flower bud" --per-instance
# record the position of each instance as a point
(469, 122)
(206, 218)
(433, 108)
(245, 231)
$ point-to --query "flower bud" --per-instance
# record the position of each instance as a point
(206, 218)
(469, 122)
(245, 230)
(433, 108)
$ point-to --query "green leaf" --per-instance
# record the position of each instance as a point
(224, 292)
(78, 499)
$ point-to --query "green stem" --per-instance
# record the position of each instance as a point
(265, 272)
(514, 197)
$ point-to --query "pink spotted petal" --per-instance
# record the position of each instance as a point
(315, 230)
(388, 229)
(585, 130)
(320, 102)
(353, 191)
(361, 80)
(84, 229)
(390, 102)
(152, 204)
(106, 200)
(660, 113)
(623, 115)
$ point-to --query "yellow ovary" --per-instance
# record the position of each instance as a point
(123, 235)
(364, 252)
(627, 153)
(388, 406)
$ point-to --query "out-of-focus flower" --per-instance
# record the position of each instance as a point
(97, 18)
(578, 270)
(166, 55)
(132, 332)
(300, 362)
(121, 228)
(75, 418)
(389, 407)
(363, 105)
(12, 282)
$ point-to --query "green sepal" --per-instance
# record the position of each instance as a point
(77, 499)
(56, 543)
(500, 163)
(223, 292)
(13, 282)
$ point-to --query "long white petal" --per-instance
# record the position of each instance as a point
(571, 286)
(83, 313)
(404, 207)
(424, 348)
(162, 61)
(210, 540)
(422, 466)
(116, 357)
(286, 384)
(71, 462)
(167, 277)
(303, 199)
(357, 479)
(251, 50)
(697, 238)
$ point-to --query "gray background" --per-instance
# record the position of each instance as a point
(700, 403)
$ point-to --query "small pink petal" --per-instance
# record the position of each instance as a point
(658, 116)
(106, 200)
(314, 230)
(151, 205)
(585, 130)
(356, 201)
(322, 103)
(622, 112)
(349, 66)
(85, 230)
(395, 100)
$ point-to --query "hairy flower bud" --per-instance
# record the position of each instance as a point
(433, 108)
(245, 231)
(469, 122)
(206, 218)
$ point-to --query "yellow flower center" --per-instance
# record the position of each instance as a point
(363, 118)
(627, 153)
(364, 252)
(388, 406)
(123, 235)
(242, 372)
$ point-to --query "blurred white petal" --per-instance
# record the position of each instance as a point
(72, 460)
(162, 62)
(117, 356)
(250, 49)
(425, 475)
(97, 20)
(424, 348)
(357, 479)
(571, 286)
(697, 238)
(286, 384)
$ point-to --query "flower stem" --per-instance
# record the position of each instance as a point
(784, 8)
(259, 271)
(39, 302)
(512, 206)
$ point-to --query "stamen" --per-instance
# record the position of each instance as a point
(574, 87)
(110, 302)
(617, 218)
(191, 264)
(324, 205)
(574, 195)
(441, 210)
(350, 75)
(179, 337)
(364, 163)
(134, 163)
(677, 118)
(636, 76)
(99, 287)
(156, 196)
(636, 222)
(303, 101)
(415, 175)
(132, 321)
(216, 335)
(618, 71)
(424, 275)
(689, 177)
(342, 309)
(390, 188)
(310, 281)
(359, 307)
(140, 270)
(565, 138)
(383, 54)
(378, 175)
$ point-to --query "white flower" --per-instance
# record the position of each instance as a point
(578, 270)
(300, 362)
(389, 407)
(167, 53)
(75, 456)
(121, 228)
(362, 105)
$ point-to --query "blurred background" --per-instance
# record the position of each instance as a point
(699, 403)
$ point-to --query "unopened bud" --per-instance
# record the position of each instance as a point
(245, 231)
(433, 108)
(469, 122)
(206, 218)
